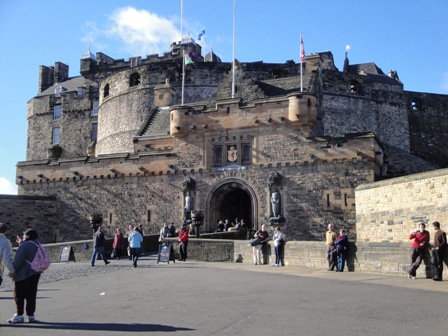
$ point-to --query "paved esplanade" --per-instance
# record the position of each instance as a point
(197, 298)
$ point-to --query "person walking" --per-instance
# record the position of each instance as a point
(183, 242)
(330, 238)
(25, 279)
(5, 253)
(279, 239)
(117, 245)
(98, 247)
(418, 247)
(341, 244)
(437, 251)
(263, 235)
(135, 240)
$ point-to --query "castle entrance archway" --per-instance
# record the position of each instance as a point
(232, 198)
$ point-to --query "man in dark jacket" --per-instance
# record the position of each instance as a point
(341, 244)
(437, 251)
(98, 246)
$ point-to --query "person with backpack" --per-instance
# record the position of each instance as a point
(26, 278)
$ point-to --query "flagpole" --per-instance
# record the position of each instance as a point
(181, 19)
(183, 76)
(233, 51)
(301, 63)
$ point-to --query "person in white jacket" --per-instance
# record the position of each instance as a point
(279, 239)
(135, 240)
(5, 253)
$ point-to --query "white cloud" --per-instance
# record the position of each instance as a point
(6, 187)
(139, 32)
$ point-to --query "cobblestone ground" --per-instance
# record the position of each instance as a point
(69, 270)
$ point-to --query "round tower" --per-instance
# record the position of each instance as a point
(124, 107)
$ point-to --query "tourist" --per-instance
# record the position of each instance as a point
(242, 224)
(183, 242)
(19, 239)
(117, 244)
(418, 247)
(437, 251)
(192, 231)
(164, 233)
(263, 235)
(5, 252)
(172, 229)
(227, 225)
(220, 227)
(279, 239)
(341, 244)
(331, 249)
(98, 246)
(26, 279)
(135, 240)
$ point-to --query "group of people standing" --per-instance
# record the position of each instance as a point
(263, 238)
(337, 249)
(25, 278)
(183, 236)
(420, 245)
(135, 244)
(226, 225)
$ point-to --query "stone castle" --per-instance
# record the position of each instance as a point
(257, 141)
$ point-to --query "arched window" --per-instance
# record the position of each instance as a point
(135, 79)
(106, 91)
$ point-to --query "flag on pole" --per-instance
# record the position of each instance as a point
(202, 33)
(302, 50)
(188, 60)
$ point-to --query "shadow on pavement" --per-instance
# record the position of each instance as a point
(136, 327)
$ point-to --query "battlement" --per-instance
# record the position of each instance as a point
(102, 63)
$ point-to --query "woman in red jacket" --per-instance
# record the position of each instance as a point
(418, 247)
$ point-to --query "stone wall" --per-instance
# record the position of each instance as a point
(388, 211)
(384, 258)
(54, 220)
(427, 126)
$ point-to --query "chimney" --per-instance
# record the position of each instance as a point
(45, 78)
(60, 72)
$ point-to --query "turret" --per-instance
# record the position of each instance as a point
(302, 108)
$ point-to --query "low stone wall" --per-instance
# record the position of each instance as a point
(386, 258)
(82, 249)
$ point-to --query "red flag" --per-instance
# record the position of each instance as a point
(302, 50)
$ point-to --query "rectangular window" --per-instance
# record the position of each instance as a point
(95, 107)
(148, 216)
(57, 112)
(80, 91)
(56, 135)
(217, 159)
(94, 133)
(245, 154)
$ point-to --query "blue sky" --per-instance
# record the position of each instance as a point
(409, 36)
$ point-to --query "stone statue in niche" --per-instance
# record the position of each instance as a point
(188, 206)
(275, 203)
